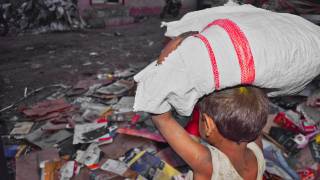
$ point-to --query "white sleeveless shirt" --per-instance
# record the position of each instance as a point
(223, 168)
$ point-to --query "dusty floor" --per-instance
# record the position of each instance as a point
(32, 61)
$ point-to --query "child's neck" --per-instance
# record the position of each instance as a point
(229, 148)
(237, 153)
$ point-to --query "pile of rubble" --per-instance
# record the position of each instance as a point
(41, 16)
(89, 131)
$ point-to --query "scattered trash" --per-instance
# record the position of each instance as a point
(32, 93)
(124, 73)
(49, 169)
(90, 157)
(36, 66)
(46, 139)
(93, 54)
(124, 105)
(46, 107)
(315, 150)
(150, 43)
(93, 111)
(142, 133)
(51, 52)
(66, 66)
(170, 157)
(20, 129)
(87, 63)
(68, 170)
(92, 132)
(117, 167)
(86, 130)
(11, 151)
(149, 166)
(117, 34)
(117, 88)
(29, 48)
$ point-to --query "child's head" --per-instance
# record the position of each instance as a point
(237, 114)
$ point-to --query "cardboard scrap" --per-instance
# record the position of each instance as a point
(46, 107)
(117, 167)
(45, 139)
(21, 128)
(145, 133)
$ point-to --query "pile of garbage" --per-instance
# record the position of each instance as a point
(40, 16)
(308, 9)
(89, 131)
(292, 135)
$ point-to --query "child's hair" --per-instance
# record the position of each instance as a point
(239, 113)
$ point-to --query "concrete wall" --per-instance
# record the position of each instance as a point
(142, 7)
(154, 7)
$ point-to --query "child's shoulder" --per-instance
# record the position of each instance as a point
(223, 168)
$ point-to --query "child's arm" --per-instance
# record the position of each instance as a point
(196, 155)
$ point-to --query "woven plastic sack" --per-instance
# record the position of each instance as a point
(235, 45)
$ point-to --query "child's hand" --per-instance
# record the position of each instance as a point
(173, 44)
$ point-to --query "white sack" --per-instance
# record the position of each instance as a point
(285, 48)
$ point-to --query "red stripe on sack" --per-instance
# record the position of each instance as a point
(241, 46)
(212, 58)
(104, 139)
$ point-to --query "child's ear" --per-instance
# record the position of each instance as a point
(209, 125)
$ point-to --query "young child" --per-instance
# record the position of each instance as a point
(230, 122)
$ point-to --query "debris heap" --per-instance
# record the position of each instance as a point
(44, 16)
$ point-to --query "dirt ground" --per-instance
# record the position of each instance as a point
(32, 61)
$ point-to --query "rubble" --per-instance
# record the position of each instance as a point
(44, 16)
